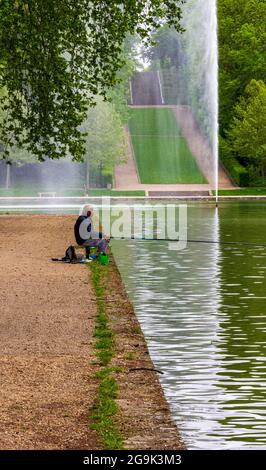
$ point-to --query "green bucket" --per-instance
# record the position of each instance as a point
(103, 258)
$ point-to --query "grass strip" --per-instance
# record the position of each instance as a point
(243, 192)
(33, 191)
(105, 408)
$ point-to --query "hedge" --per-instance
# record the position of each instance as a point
(237, 171)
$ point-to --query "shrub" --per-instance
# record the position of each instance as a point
(238, 172)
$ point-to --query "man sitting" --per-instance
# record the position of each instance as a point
(86, 235)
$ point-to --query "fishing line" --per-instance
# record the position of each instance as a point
(243, 243)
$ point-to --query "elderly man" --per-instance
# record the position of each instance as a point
(86, 235)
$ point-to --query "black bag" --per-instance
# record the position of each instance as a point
(70, 256)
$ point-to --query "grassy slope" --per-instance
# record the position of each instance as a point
(162, 154)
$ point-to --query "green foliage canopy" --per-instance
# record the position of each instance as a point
(165, 48)
(55, 56)
(105, 142)
(248, 129)
(242, 57)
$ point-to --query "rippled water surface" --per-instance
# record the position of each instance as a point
(203, 311)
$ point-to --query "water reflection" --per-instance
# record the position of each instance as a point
(203, 313)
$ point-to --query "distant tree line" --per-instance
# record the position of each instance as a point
(242, 89)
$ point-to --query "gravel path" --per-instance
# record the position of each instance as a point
(46, 330)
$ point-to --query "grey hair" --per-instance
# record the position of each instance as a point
(86, 208)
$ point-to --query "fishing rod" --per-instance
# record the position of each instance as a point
(216, 242)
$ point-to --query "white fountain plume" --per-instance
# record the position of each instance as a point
(200, 44)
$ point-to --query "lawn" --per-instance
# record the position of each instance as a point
(162, 154)
(32, 191)
(243, 192)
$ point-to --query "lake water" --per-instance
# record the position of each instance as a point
(203, 312)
